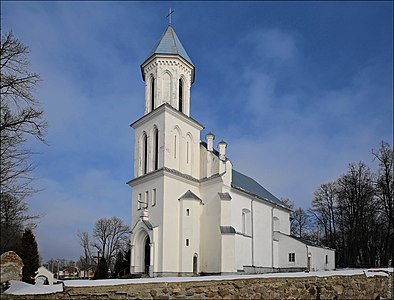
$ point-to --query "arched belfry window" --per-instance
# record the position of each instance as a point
(152, 94)
(145, 154)
(156, 149)
(180, 104)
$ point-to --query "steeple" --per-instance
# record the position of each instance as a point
(168, 73)
(169, 43)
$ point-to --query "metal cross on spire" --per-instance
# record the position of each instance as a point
(170, 12)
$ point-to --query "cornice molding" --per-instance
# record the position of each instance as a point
(166, 107)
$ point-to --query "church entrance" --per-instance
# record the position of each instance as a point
(147, 256)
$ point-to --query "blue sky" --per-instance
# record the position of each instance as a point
(297, 89)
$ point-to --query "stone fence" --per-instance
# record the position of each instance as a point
(371, 285)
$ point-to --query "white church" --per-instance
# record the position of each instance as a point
(192, 213)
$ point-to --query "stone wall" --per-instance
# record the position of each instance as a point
(10, 266)
(308, 287)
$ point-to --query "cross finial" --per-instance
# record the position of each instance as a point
(170, 12)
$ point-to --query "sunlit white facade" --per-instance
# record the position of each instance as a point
(191, 212)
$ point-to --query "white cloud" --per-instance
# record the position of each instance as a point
(273, 44)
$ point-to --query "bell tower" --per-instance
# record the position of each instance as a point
(168, 73)
(166, 163)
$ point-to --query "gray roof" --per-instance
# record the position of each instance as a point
(250, 186)
(224, 196)
(170, 44)
(190, 195)
(227, 229)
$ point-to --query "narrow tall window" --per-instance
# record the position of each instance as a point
(187, 242)
(156, 149)
(153, 197)
(187, 152)
(187, 212)
(246, 222)
(326, 259)
(291, 257)
(174, 146)
(145, 158)
(180, 104)
(152, 94)
(139, 201)
(146, 199)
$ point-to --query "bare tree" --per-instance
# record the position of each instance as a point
(13, 215)
(85, 243)
(21, 117)
(324, 211)
(300, 222)
(384, 191)
(357, 215)
(111, 236)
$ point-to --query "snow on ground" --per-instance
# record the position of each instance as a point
(344, 272)
(21, 288)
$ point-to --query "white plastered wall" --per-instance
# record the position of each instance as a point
(174, 188)
(210, 227)
(317, 256)
(286, 245)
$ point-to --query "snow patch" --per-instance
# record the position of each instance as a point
(22, 288)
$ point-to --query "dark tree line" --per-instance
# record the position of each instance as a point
(354, 214)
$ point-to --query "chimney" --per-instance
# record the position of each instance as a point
(222, 150)
(210, 137)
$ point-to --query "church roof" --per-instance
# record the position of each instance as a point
(170, 44)
(250, 186)
(190, 195)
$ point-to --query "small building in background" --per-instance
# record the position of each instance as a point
(46, 275)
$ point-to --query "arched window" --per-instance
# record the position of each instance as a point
(189, 154)
(152, 94)
(180, 102)
(276, 226)
(246, 222)
(175, 146)
(166, 88)
(156, 149)
(145, 154)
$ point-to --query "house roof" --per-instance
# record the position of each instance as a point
(306, 242)
(169, 43)
(250, 186)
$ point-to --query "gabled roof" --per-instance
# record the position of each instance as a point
(190, 195)
(250, 186)
(170, 44)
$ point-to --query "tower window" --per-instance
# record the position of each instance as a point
(156, 149)
(175, 146)
(187, 242)
(139, 201)
(180, 104)
(153, 197)
(291, 257)
(152, 94)
(145, 157)
(187, 152)
(146, 199)
(187, 212)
